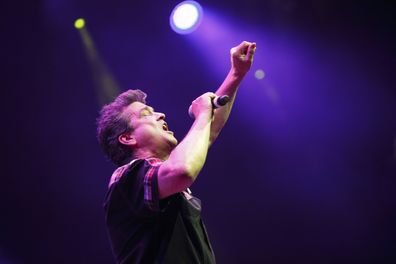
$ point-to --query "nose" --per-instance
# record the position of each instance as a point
(160, 116)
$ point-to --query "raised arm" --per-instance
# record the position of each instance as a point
(241, 61)
(185, 162)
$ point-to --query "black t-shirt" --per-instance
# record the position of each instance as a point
(144, 229)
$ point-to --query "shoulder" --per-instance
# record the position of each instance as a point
(135, 166)
(125, 169)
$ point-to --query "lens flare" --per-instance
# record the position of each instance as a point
(259, 74)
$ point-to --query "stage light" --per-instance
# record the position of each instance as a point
(79, 23)
(259, 74)
(186, 17)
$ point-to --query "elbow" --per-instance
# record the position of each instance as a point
(184, 174)
(190, 173)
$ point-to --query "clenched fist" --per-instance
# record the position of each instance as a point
(242, 57)
(202, 105)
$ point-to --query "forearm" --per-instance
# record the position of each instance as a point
(229, 87)
(190, 153)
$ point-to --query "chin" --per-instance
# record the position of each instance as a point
(174, 142)
(171, 141)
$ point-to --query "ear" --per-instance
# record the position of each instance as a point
(127, 139)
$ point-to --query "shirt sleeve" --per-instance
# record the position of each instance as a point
(138, 188)
(151, 196)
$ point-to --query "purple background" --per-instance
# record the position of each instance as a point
(304, 171)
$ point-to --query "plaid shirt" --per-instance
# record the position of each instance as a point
(148, 179)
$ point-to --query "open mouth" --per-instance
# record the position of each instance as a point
(165, 127)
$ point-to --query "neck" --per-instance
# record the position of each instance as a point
(145, 154)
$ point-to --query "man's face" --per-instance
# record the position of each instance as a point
(150, 129)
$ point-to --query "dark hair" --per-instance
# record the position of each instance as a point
(111, 123)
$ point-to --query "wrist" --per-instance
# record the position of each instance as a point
(206, 115)
(236, 74)
(203, 118)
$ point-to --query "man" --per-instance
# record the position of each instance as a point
(151, 214)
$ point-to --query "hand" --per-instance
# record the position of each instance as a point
(202, 105)
(242, 57)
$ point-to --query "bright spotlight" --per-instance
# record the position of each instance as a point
(79, 23)
(186, 17)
